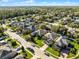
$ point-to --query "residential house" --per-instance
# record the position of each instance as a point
(76, 20)
(3, 53)
(62, 43)
(39, 33)
(50, 37)
(10, 55)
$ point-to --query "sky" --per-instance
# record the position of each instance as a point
(39, 2)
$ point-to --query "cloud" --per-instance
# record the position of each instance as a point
(24, 3)
(35, 3)
(4, 0)
(28, 1)
(16, 3)
(65, 3)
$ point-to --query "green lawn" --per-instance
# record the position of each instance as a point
(77, 57)
(70, 55)
(39, 42)
(8, 27)
(12, 42)
(29, 55)
(52, 51)
(0, 34)
(25, 36)
(75, 45)
(26, 53)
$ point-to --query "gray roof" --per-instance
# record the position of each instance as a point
(52, 35)
(29, 20)
(10, 55)
(3, 43)
(1, 38)
(32, 28)
(62, 42)
(38, 32)
(76, 21)
(59, 43)
(3, 53)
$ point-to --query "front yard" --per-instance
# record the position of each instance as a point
(26, 53)
(29, 55)
(53, 52)
(77, 57)
(25, 36)
(12, 42)
(38, 41)
(73, 51)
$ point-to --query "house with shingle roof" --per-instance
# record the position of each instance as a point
(50, 37)
(61, 43)
(39, 33)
